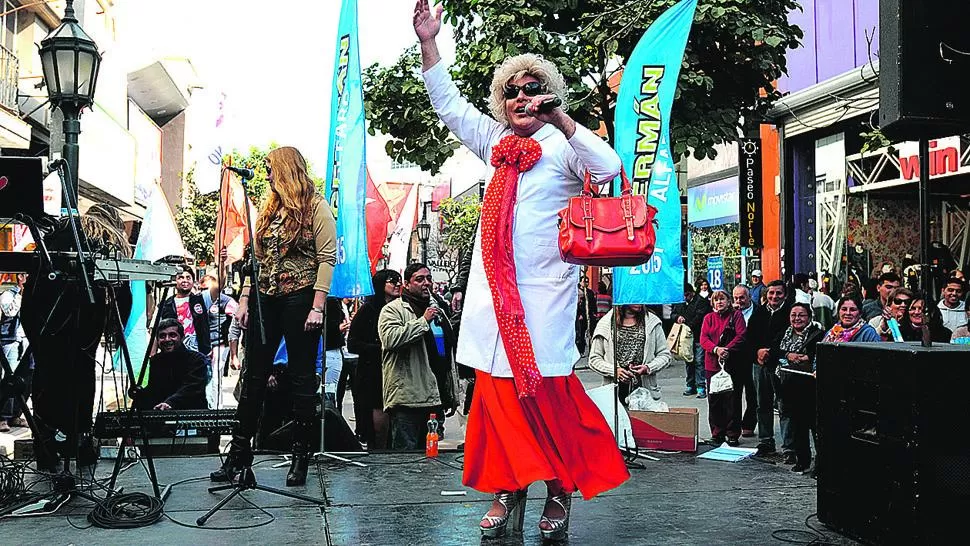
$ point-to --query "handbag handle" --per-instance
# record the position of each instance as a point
(625, 187)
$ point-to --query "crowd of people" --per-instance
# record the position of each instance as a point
(764, 335)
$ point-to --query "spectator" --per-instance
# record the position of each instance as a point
(801, 288)
(372, 423)
(898, 309)
(640, 351)
(823, 306)
(692, 313)
(922, 310)
(887, 282)
(177, 375)
(962, 334)
(410, 358)
(755, 321)
(222, 310)
(585, 314)
(851, 326)
(190, 310)
(604, 300)
(769, 324)
(757, 287)
(704, 289)
(13, 344)
(722, 335)
(335, 325)
(952, 307)
(794, 349)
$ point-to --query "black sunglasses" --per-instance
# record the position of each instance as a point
(531, 89)
(394, 281)
(901, 301)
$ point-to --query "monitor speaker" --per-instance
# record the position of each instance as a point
(893, 442)
(924, 56)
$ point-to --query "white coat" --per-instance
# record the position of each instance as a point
(546, 284)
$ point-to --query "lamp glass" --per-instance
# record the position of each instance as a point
(66, 84)
(85, 73)
(424, 231)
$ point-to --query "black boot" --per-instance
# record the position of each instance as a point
(240, 456)
(301, 455)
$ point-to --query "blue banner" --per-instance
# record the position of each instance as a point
(346, 189)
(643, 144)
(715, 272)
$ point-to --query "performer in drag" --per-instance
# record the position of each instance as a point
(530, 418)
(295, 238)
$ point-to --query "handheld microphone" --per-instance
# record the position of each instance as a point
(545, 106)
(245, 174)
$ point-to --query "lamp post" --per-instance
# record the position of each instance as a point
(424, 233)
(70, 61)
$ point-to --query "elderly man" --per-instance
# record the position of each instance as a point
(418, 360)
(741, 367)
(177, 375)
(771, 323)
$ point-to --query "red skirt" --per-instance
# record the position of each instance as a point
(558, 434)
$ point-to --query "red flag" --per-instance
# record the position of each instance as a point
(378, 216)
(231, 232)
(440, 192)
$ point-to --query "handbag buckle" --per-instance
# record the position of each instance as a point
(588, 217)
(628, 215)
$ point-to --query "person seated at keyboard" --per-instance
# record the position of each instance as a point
(176, 375)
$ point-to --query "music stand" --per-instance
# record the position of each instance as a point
(629, 456)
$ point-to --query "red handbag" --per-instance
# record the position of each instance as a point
(607, 231)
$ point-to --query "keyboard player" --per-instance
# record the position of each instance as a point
(176, 375)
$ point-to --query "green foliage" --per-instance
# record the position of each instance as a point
(460, 219)
(874, 140)
(197, 220)
(735, 53)
(396, 104)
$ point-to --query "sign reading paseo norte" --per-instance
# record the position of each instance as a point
(749, 211)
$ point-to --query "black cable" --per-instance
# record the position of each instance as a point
(813, 536)
(126, 511)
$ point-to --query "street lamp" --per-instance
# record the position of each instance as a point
(424, 233)
(70, 61)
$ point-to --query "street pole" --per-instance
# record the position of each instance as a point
(72, 129)
(925, 280)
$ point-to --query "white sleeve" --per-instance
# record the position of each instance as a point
(588, 151)
(473, 128)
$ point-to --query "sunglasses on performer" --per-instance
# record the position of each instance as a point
(531, 89)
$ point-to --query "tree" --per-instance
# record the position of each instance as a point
(197, 221)
(735, 53)
(460, 221)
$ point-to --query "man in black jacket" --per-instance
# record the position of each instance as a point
(692, 314)
(176, 378)
(767, 325)
(190, 310)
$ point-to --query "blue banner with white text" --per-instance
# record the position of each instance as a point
(643, 144)
(346, 189)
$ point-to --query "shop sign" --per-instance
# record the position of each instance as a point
(715, 272)
(749, 209)
(714, 203)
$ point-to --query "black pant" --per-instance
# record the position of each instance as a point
(724, 410)
(64, 330)
(283, 317)
(743, 379)
(798, 404)
(409, 426)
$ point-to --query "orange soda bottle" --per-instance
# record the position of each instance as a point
(431, 444)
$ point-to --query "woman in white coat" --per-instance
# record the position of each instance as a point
(530, 418)
(640, 351)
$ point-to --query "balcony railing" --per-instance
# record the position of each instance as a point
(9, 74)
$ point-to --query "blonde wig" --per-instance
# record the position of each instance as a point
(290, 197)
(516, 67)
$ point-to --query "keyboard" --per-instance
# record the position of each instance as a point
(164, 423)
(103, 269)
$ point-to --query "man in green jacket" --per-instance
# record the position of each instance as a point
(418, 365)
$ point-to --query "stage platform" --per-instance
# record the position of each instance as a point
(397, 499)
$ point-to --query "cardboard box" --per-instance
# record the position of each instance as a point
(673, 431)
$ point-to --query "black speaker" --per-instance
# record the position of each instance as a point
(893, 441)
(924, 56)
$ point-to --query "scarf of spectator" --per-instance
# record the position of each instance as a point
(793, 342)
(840, 334)
(512, 156)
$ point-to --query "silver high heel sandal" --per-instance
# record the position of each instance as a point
(514, 503)
(558, 528)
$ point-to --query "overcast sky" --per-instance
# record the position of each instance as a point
(274, 60)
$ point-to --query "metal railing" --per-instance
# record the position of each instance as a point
(9, 76)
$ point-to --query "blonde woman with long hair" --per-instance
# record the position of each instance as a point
(295, 240)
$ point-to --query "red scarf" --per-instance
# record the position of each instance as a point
(512, 156)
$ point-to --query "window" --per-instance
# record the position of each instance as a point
(9, 27)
